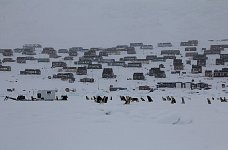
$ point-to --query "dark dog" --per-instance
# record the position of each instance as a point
(149, 98)
(208, 101)
(142, 99)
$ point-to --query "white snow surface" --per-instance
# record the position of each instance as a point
(83, 124)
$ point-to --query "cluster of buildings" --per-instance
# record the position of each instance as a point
(188, 53)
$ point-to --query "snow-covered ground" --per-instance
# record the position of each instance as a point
(83, 124)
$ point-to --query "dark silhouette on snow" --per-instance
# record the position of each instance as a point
(149, 98)
(208, 101)
(182, 100)
(173, 100)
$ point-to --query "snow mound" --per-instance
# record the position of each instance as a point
(174, 118)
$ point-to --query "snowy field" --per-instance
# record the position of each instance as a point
(83, 124)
